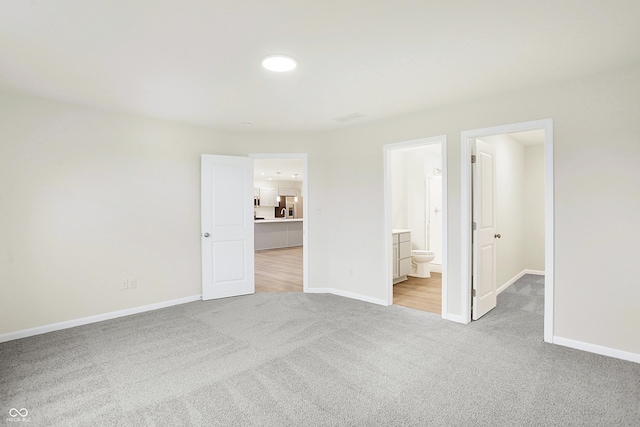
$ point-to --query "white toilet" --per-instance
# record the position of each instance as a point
(420, 263)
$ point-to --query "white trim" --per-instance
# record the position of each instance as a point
(305, 206)
(386, 149)
(510, 282)
(455, 318)
(445, 232)
(348, 294)
(597, 349)
(549, 232)
(94, 319)
(435, 268)
(517, 276)
(465, 215)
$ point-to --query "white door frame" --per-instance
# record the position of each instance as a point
(466, 215)
(388, 237)
(305, 206)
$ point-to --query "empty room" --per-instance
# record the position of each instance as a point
(136, 224)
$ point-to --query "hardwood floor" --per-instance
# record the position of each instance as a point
(420, 294)
(279, 270)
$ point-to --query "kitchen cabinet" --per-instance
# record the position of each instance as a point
(401, 255)
(268, 197)
(283, 233)
(288, 192)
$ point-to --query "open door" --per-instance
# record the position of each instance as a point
(484, 226)
(227, 226)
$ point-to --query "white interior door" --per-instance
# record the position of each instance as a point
(484, 217)
(227, 226)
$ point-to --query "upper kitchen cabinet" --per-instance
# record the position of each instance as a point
(290, 192)
(268, 197)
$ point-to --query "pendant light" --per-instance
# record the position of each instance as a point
(278, 198)
(295, 179)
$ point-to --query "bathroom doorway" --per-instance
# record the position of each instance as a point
(415, 203)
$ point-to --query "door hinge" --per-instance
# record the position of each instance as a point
(473, 226)
(473, 293)
(473, 158)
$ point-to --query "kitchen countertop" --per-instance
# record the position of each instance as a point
(399, 230)
(259, 221)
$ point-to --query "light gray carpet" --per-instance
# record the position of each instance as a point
(293, 359)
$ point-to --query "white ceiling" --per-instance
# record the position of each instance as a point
(198, 61)
(268, 169)
(530, 137)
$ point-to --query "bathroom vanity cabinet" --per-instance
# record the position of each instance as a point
(401, 255)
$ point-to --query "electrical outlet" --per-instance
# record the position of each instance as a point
(133, 283)
(124, 284)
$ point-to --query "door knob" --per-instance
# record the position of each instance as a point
(206, 234)
(497, 236)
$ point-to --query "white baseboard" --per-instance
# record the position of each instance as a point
(536, 272)
(454, 318)
(347, 294)
(436, 268)
(597, 349)
(93, 319)
(517, 276)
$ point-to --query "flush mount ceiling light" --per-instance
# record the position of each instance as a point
(279, 63)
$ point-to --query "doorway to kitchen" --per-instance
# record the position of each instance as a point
(416, 223)
(280, 223)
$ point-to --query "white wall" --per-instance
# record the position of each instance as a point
(421, 164)
(520, 207)
(84, 194)
(435, 216)
(409, 169)
(534, 207)
(415, 205)
(399, 191)
(88, 197)
(510, 209)
(595, 129)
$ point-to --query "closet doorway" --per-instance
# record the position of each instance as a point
(469, 267)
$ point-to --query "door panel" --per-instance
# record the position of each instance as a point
(227, 226)
(484, 215)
